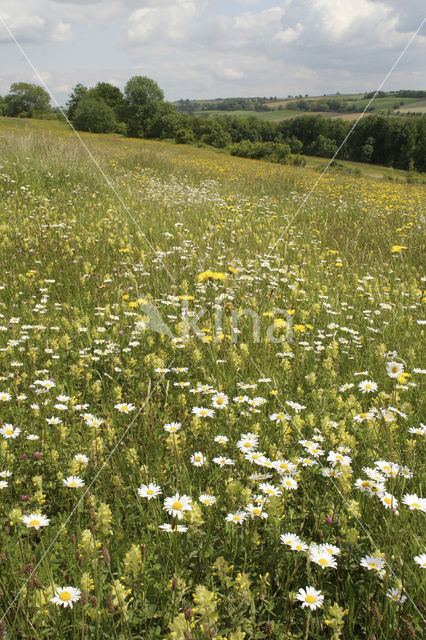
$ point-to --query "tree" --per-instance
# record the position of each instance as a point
(95, 116)
(142, 99)
(367, 150)
(77, 94)
(110, 94)
(26, 100)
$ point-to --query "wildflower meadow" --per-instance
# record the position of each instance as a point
(211, 391)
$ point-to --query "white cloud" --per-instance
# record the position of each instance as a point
(168, 21)
(35, 22)
(207, 48)
(232, 74)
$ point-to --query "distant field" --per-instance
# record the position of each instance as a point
(282, 114)
(418, 106)
(262, 115)
(378, 104)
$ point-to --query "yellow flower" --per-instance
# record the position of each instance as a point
(397, 248)
(213, 275)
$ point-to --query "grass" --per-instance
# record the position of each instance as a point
(93, 376)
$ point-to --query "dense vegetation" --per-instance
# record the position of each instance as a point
(141, 111)
(167, 471)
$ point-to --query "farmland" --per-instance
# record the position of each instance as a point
(279, 109)
(210, 393)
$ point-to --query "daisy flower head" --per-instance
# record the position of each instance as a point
(172, 427)
(66, 596)
(284, 466)
(346, 387)
(390, 469)
(3, 484)
(221, 439)
(299, 545)
(289, 539)
(310, 597)
(295, 406)
(170, 528)
(415, 503)
(389, 501)
(396, 596)
(420, 431)
(334, 457)
(237, 518)
(9, 431)
(330, 548)
(322, 557)
(198, 459)
(421, 560)
(394, 369)
(248, 442)
(255, 511)
(372, 563)
(73, 481)
(220, 400)
(124, 407)
(367, 386)
(176, 505)
(222, 462)
(279, 417)
(254, 456)
(289, 483)
(202, 412)
(149, 491)
(207, 499)
(81, 458)
(35, 521)
(270, 489)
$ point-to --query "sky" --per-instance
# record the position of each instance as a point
(202, 49)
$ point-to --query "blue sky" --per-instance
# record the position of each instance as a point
(212, 48)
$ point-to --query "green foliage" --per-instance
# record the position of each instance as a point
(143, 97)
(77, 94)
(95, 116)
(26, 100)
(272, 151)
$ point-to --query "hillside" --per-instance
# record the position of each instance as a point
(211, 393)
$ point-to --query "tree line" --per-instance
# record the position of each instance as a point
(142, 112)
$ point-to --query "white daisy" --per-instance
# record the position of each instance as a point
(149, 491)
(310, 597)
(66, 596)
(35, 521)
(176, 505)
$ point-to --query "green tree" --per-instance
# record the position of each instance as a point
(26, 100)
(143, 97)
(77, 94)
(110, 94)
(367, 150)
(95, 116)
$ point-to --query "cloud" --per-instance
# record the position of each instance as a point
(34, 23)
(207, 48)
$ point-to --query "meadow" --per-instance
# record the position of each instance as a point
(210, 395)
